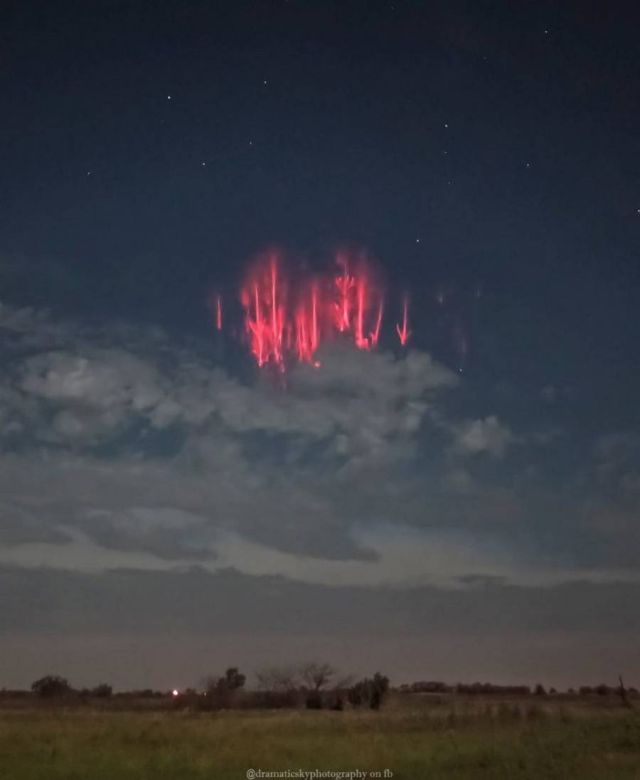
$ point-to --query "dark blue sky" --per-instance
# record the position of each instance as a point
(504, 139)
(485, 150)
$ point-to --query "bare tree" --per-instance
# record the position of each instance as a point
(277, 679)
(317, 676)
(279, 687)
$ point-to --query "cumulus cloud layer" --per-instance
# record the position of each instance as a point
(123, 449)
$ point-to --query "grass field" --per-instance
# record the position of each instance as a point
(414, 737)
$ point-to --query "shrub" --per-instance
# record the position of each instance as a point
(51, 686)
(102, 691)
(369, 692)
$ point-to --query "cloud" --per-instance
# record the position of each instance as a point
(402, 557)
(485, 435)
(81, 392)
(148, 455)
(101, 379)
(114, 426)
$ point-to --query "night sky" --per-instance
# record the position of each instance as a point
(470, 506)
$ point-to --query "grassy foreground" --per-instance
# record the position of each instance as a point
(453, 741)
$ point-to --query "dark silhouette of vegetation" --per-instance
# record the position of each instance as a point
(102, 691)
(278, 687)
(369, 692)
(313, 685)
(429, 686)
(316, 677)
(221, 692)
(380, 686)
(434, 686)
(489, 688)
(622, 691)
(231, 681)
(51, 686)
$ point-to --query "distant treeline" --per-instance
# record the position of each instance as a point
(312, 685)
(434, 686)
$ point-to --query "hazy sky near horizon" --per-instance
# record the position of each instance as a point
(467, 507)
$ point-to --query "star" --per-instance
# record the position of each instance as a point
(203, 164)
(417, 240)
(168, 97)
